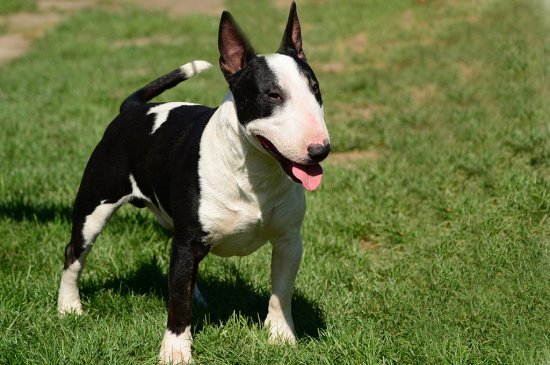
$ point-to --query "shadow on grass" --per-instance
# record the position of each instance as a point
(21, 210)
(224, 297)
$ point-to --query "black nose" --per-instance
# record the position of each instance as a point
(318, 152)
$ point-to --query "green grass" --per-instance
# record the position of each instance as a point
(13, 6)
(433, 250)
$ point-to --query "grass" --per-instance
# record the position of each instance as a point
(13, 6)
(431, 249)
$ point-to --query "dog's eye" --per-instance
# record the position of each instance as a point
(275, 96)
(315, 87)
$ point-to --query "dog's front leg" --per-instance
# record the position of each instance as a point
(285, 262)
(184, 263)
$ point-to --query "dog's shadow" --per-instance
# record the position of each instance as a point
(224, 297)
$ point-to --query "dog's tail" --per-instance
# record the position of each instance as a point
(157, 87)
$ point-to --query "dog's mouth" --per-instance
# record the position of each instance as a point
(308, 175)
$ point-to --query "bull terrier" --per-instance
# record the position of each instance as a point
(225, 180)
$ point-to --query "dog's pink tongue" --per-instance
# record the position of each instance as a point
(309, 175)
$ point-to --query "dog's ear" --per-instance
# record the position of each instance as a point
(235, 50)
(292, 38)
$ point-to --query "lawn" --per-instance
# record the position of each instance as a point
(427, 243)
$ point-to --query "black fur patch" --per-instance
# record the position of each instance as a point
(251, 88)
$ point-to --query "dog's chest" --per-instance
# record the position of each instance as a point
(237, 224)
(245, 200)
(234, 228)
(237, 220)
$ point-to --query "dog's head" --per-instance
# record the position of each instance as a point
(278, 99)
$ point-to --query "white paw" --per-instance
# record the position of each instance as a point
(68, 300)
(280, 331)
(176, 349)
(69, 308)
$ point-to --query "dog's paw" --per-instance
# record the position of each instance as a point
(176, 349)
(282, 337)
(175, 358)
(68, 299)
(69, 309)
(68, 305)
(280, 332)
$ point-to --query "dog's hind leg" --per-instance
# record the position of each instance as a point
(93, 207)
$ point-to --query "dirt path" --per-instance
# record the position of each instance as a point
(24, 27)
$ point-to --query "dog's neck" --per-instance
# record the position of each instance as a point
(230, 131)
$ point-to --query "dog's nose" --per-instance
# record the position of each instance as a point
(318, 152)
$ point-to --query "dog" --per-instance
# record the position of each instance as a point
(225, 180)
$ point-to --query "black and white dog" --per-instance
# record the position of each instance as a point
(225, 180)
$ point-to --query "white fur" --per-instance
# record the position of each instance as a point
(194, 67)
(68, 300)
(69, 297)
(176, 349)
(136, 193)
(162, 111)
(257, 202)
(95, 221)
(285, 262)
(300, 113)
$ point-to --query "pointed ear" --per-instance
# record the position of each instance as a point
(292, 38)
(235, 50)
